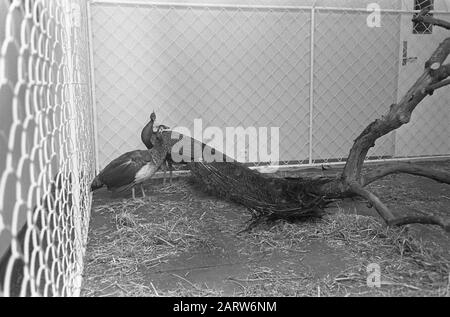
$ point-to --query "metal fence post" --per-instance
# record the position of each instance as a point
(311, 86)
(92, 80)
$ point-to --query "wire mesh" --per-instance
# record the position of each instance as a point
(421, 27)
(251, 66)
(46, 146)
(356, 76)
(228, 67)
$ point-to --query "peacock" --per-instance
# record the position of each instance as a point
(133, 168)
(170, 137)
(267, 198)
(148, 138)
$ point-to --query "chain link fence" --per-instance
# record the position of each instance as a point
(320, 74)
(46, 146)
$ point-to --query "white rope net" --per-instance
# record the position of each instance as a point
(46, 146)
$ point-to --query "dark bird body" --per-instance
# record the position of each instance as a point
(132, 168)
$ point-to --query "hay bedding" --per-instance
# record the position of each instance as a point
(144, 234)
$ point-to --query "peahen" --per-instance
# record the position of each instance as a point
(133, 168)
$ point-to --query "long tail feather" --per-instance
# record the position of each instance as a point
(267, 198)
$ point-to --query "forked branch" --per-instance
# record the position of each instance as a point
(381, 208)
(430, 89)
(389, 218)
(434, 76)
(437, 175)
(425, 220)
(398, 114)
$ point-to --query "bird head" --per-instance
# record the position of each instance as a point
(159, 133)
(153, 116)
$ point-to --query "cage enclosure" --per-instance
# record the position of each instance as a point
(79, 79)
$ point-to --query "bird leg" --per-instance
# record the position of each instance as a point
(133, 192)
(143, 191)
(169, 164)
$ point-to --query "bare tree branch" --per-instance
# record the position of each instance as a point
(387, 215)
(430, 90)
(444, 72)
(425, 18)
(425, 220)
(398, 114)
(437, 175)
(313, 192)
(439, 72)
(381, 208)
(352, 182)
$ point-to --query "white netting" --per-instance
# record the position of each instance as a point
(46, 146)
(251, 66)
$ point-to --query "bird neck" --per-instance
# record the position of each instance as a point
(162, 142)
(147, 133)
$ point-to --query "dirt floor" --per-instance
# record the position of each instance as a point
(181, 242)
